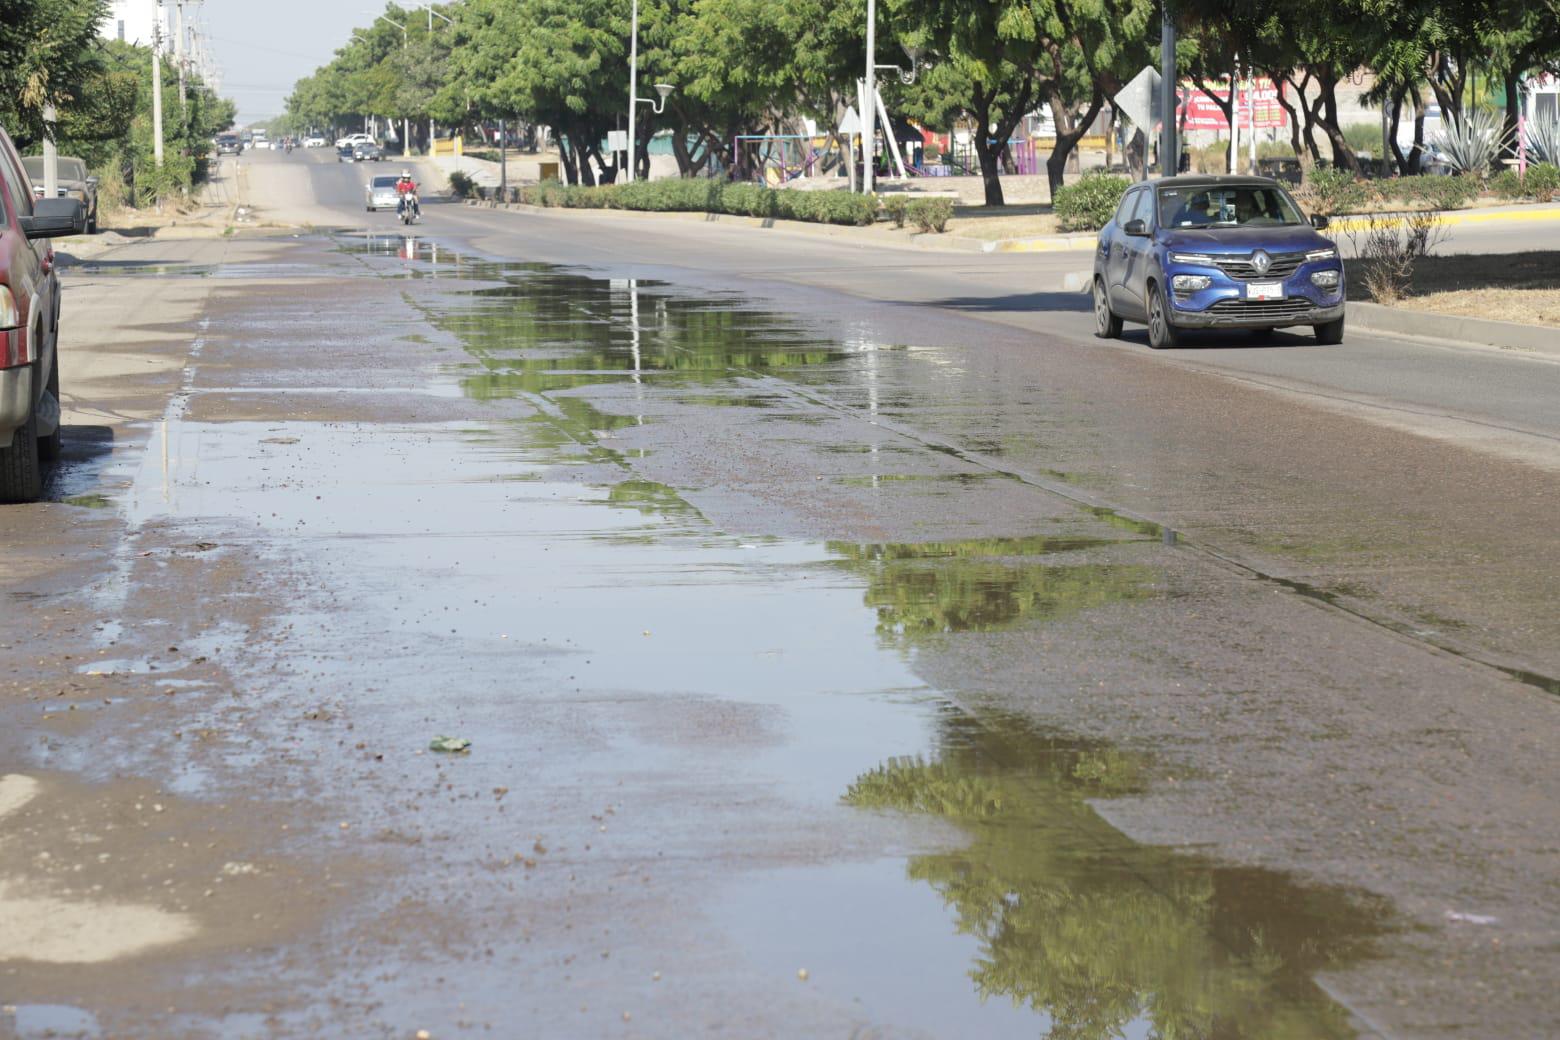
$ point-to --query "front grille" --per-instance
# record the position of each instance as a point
(1283, 265)
(1293, 307)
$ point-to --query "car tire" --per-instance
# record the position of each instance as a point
(49, 447)
(1329, 334)
(1161, 333)
(1107, 325)
(21, 471)
(92, 227)
(370, 209)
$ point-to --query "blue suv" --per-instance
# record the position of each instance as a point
(1215, 252)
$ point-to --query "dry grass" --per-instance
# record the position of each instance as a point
(1521, 287)
(1527, 306)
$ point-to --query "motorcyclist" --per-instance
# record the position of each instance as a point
(406, 188)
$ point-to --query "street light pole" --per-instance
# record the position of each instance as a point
(431, 13)
(1169, 149)
(633, 87)
(869, 103)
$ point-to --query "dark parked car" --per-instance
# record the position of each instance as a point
(1215, 252)
(229, 144)
(367, 151)
(29, 327)
(346, 153)
(72, 181)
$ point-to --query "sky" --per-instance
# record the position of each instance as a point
(265, 46)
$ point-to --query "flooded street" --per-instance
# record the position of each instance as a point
(826, 671)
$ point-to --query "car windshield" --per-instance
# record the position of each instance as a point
(384, 182)
(66, 169)
(1245, 205)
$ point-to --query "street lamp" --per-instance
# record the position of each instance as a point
(634, 100)
(869, 96)
(431, 14)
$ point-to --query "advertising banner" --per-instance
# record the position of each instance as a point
(1200, 112)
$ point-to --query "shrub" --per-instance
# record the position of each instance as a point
(1387, 247)
(930, 215)
(1542, 182)
(461, 185)
(1329, 190)
(708, 196)
(894, 209)
(1090, 203)
(1435, 192)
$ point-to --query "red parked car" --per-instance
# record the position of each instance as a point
(29, 326)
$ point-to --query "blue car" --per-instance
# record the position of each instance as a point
(1186, 253)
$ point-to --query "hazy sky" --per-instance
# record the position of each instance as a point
(264, 46)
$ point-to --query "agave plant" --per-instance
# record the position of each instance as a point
(1472, 140)
(1543, 139)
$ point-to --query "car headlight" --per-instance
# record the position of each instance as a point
(1192, 258)
(1190, 282)
(1321, 254)
(10, 317)
(1325, 279)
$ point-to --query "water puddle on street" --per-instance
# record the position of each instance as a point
(528, 560)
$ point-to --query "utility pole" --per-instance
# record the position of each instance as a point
(633, 87)
(178, 52)
(51, 162)
(503, 161)
(868, 104)
(157, 112)
(1169, 149)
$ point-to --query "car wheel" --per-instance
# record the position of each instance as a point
(49, 447)
(1106, 324)
(370, 209)
(21, 471)
(1329, 334)
(1161, 333)
(92, 222)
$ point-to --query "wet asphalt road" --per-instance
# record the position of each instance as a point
(830, 669)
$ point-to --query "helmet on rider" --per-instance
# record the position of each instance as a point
(406, 174)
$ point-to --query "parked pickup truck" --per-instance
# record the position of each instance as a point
(29, 327)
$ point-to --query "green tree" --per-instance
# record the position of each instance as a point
(49, 55)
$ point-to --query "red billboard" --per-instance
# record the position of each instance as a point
(1260, 97)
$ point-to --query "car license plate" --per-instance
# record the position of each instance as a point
(1265, 291)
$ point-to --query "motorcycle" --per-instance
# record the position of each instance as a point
(409, 209)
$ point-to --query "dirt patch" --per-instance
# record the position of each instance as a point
(1021, 221)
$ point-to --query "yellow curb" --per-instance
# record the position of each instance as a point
(1039, 245)
(1355, 222)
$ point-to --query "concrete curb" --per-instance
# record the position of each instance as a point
(1485, 332)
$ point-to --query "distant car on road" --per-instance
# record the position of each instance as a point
(382, 194)
(29, 327)
(345, 153)
(314, 141)
(367, 151)
(1187, 253)
(72, 181)
(353, 139)
(229, 144)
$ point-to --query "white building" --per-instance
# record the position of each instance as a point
(134, 21)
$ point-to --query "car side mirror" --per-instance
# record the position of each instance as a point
(1135, 228)
(55, 218)
(1318, 221)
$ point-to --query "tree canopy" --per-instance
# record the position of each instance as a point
(755, 66)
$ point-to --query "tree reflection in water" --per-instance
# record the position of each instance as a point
(1101, 935)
